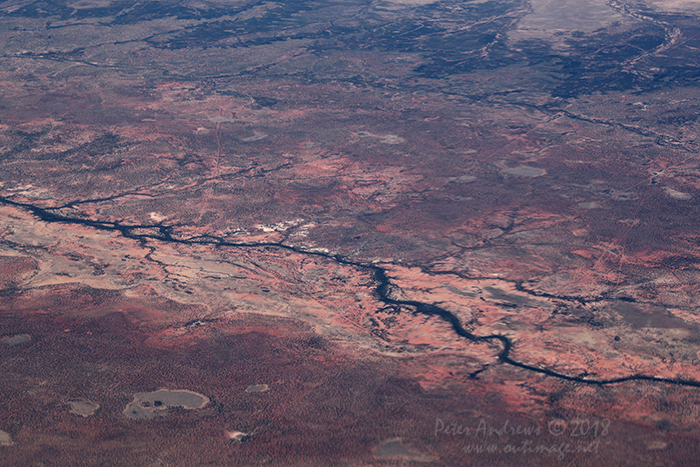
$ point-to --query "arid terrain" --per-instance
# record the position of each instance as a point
(357, 233)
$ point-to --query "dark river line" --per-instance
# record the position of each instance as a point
(383, 288)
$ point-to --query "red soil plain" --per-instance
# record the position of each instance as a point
(345, 256)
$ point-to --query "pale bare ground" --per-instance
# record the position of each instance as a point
(685, 6)
(550, 18)
(413, 2)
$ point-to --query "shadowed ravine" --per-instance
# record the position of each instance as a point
(383, 287)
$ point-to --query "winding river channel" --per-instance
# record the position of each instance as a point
(383, 286)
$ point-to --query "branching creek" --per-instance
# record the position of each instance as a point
(383, 287)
